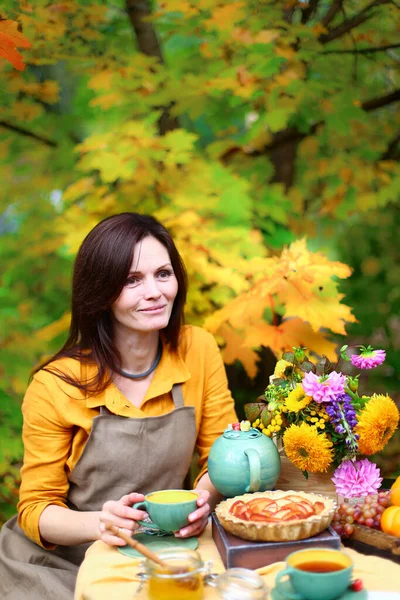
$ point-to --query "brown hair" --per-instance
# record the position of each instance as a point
(101, 269)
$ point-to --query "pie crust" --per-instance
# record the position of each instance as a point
(283, 531)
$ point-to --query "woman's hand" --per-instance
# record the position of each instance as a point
(197, 519)
(120, 514)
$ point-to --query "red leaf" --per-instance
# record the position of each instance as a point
(10, 40)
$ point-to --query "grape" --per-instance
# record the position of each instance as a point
(361, 520)
(367, 513)
(348, 529)
(349, 519)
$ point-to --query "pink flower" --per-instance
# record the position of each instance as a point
(358, 478)
(324, 388)
(368, 358)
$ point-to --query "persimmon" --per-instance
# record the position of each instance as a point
(396, 484)
(390, 521)
(395, 496)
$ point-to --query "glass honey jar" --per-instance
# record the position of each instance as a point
(240, 584)
(182, 578)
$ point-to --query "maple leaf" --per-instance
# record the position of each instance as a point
(236, 350)
(224, 17)
(290, 333)
(10, 40)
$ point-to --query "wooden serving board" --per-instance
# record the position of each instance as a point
(236, 552)
(373, 541)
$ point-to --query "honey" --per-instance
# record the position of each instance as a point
(181, 579)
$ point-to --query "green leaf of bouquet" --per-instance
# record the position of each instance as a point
(279, 381)
(343, 353)
(307, 367)
(324, 366)
(288, 356)
(253, 410)
(266, 416)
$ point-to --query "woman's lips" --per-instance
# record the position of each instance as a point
(153, 309)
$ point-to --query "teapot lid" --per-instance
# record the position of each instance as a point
(235, 434)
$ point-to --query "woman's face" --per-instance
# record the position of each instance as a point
(146, 301)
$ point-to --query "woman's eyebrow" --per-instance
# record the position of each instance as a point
(157, 269)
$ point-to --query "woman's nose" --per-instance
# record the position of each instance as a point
(151, 289)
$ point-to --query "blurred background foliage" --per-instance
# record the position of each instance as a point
(264, 134)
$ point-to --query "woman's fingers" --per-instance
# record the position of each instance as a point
(197, 519)
(121, 515)
(193, 529)
(203, 497)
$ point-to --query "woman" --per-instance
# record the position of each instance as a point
(116, 413)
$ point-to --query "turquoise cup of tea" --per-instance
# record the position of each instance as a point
(315, 574)
(168, 509)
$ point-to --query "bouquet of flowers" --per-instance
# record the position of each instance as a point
(317, 413)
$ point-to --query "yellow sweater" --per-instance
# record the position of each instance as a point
(58, 418)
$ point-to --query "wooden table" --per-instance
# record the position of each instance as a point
(106, 574)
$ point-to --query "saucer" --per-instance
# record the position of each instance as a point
(287, 586)
(157, 543)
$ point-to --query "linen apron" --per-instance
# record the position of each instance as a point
(121, 455)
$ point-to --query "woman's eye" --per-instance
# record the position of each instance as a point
(132, 280)
(165, 274)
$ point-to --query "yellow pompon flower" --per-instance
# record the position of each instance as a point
(307, 449)
(281, 367)
(377, 422)
(297, 399)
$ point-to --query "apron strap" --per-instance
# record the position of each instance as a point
(177, 397)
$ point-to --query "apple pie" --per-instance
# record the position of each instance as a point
(278, 516)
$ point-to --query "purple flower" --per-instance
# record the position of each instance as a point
(343, 417)
(368, 358)
(324, 388)
(357, 478)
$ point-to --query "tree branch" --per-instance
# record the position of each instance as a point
(137, 11)
(309, 11)
(334, 8)
(381, 101)
(30, 134)
(291, 134)
(146, 37)
(392, 151)
(362, 50)
(351, 23)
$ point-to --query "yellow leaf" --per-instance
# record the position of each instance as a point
(107, 101)
(266, 36)
(318, 29)
(291, 332)
(225, 17)
(25, 111)
(327, 313)
(110, 165)
(101, 80)
(235, 350)
(79, 188)
(54, 329)
(48, 92)
(285, 51)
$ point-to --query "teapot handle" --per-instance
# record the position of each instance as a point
(255, 470)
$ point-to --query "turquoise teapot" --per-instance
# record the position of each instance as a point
(243, 461)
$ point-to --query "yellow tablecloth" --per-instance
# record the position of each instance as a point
(106, 574)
